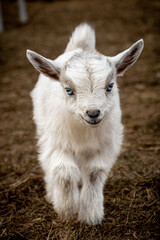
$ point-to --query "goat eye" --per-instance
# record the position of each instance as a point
(69, 91)
(110, 86)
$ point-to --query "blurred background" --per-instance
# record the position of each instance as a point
(132, 206)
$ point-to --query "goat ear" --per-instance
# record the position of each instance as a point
(124, 60)
(44, 65)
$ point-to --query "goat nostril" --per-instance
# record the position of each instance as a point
(93, 114)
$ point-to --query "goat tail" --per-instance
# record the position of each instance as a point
(82, 37)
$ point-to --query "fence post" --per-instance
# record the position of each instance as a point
(1, 18)
(22, 11)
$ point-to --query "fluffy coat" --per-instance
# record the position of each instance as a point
(78, 118)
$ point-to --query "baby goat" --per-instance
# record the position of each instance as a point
(78, 118)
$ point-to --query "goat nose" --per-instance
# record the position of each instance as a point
(93, 114)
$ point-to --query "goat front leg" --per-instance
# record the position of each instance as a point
(91, 198)
(62, 181)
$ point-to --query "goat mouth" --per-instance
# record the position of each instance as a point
(92, 121)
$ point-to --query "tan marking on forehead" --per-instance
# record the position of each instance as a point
(110, 76)
(66, 80)
(109, 62)
(89, 73)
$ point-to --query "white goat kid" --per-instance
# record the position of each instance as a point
(78, 118)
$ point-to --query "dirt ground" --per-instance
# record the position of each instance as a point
(132, 206)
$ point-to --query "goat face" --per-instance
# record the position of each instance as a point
(89, 82)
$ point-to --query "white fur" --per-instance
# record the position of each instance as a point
(72, 151)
